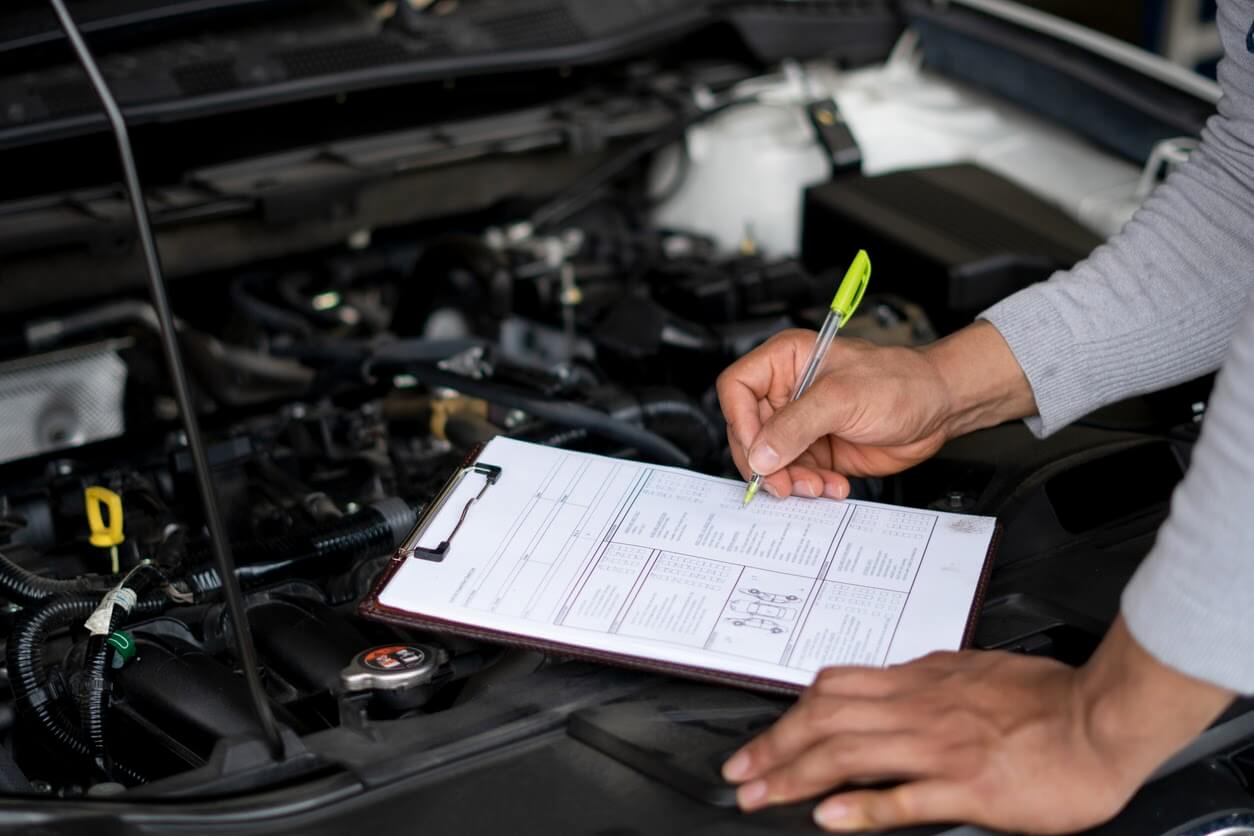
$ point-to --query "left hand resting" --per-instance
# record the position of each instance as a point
(1009, 742)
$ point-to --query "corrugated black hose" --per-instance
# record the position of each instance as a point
(24, 587)
(372, 531)
(98, 663)
(329, 547)
(31, 689)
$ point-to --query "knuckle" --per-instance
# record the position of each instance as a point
(829, 679)
(862, 679)
(767, 743)
(825, 717)
(968, 760)
(807, 712)
(824, 769)
(891, 807)
(789, 335)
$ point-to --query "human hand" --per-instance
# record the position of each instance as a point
(1009, 742)
(871, 411)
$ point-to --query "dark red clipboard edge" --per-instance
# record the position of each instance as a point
(371, 608)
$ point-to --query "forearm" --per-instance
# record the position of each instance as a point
(985, 383)
(1157, 304)
(1139, 710)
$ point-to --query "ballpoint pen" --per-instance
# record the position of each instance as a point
(844, 303)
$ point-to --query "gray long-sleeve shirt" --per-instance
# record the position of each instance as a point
(1166, 300)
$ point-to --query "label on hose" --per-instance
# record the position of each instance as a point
(99, 621)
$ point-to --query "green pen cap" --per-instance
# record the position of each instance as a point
(849, 294)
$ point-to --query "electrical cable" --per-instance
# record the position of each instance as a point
(324, 548)
(245, 651)
(22, 586)
(98, 665)
(28, 673)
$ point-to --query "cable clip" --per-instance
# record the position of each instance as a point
(100, 621)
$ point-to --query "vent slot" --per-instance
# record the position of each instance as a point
(539, 27)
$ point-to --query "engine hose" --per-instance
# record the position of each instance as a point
(560, 438)
(565, 413)
(99, 663)
(700, 435)
(670, 407)
(324, 548)
(95, 697)
(29, 679)
(24, 587)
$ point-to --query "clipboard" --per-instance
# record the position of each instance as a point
(490, 474)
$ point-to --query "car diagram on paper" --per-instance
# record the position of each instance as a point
(620, 549)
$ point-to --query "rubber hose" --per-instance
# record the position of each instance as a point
(561, 438)
(647, 410)
(94, 701)
(672, 407)
(29, 679)
(264, 313)
(566, 413)
(24, 587)
(97, 667)
(323, 548)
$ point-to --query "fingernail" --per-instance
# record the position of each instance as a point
(751, 794)
(831, 814)
(737, 767)
(802, 488)
(834, 491)
(771, 489)
(764, 459)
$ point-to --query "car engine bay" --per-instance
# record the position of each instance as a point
(570, 262)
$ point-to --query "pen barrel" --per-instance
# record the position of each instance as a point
(821, 346)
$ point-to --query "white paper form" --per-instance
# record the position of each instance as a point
(663, 564)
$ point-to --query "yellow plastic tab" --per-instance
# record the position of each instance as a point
(104, 535)
(849, 294)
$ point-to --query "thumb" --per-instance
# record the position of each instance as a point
(791, 430)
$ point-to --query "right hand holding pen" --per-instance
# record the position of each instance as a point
(872, 411)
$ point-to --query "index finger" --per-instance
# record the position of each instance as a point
(740, 387)
(758, 376)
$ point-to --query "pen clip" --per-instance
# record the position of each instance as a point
(852, 287)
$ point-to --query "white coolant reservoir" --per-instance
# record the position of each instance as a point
(744, 177)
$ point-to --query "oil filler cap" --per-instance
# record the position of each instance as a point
(393, 667)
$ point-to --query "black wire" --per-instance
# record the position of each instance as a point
(246, 653)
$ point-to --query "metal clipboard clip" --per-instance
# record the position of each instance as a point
(409, 546)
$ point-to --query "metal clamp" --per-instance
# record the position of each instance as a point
(410, 548)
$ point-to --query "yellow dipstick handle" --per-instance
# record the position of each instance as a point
(105, 535)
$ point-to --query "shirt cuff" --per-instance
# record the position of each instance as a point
(1047, 351)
